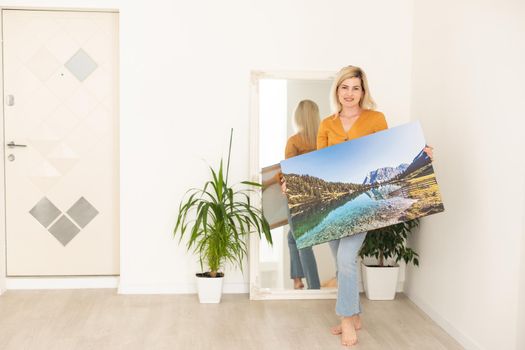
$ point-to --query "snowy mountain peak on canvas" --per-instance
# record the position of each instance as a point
(384, 174)
(419, 161)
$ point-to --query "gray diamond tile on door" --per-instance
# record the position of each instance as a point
(45, 212)
(82, 212)
(81, 65)
(64, 230)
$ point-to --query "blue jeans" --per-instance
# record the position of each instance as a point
(303, 264)
(345, 252)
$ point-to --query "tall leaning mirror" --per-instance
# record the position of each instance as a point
(281, 271)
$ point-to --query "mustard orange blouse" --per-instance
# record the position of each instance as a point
(331, 130)
(296, 146)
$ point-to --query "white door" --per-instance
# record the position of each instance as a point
(61, 152)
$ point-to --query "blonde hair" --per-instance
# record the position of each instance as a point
(306, 117)
(346, 73)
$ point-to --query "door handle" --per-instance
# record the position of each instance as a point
(12, 144)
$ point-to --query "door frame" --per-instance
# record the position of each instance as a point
(45, 282)
(3, 256)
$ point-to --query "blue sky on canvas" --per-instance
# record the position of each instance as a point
(352, 161)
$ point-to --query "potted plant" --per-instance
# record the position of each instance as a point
(387, 244)
(217, 219)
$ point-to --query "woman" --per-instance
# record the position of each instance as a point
(302, 261)
(354, 117)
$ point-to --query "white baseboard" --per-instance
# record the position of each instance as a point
(156, 289)
(91, 282)
(236, 288)
(182, 288)
(455, 333)
(19, 283)
(113, 282)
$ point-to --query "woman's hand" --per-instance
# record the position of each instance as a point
(429, 150)
(283, 184)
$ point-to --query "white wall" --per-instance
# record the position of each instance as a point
(468, 89)
(185, 89)
(198, 76)
(185, 69)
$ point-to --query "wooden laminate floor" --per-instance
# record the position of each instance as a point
(101, 319)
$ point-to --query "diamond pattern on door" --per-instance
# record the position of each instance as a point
(81, 102)
(44, 139)
(45, 212)
(82, 212)
(63, 158)
(37, 105)
(81, 65)
(43, 175)
(64, 230)
(62, 83)
(62, 46)
(43, 64)
(61, 67)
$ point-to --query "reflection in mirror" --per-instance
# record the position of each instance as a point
(277, 100)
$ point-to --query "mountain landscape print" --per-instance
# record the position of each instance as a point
(360, 185)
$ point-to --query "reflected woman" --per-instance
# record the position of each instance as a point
(302, 261)
(354, 117)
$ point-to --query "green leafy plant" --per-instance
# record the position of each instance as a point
(218, 219)
(390, 242)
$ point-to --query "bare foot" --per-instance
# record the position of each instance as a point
(349, 335)
(357, 322)
(331, 283)
(298, 283)
(337, 330)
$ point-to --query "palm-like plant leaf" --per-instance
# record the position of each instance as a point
(221, 219)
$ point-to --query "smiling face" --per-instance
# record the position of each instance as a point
(350, 93)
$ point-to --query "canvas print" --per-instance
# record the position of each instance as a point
(274, 202)
(360, 185)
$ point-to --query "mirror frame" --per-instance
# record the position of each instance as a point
(256, 291)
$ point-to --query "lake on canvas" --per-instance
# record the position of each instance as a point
(358, 214)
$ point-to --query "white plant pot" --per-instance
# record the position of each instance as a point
(380, 282)
(209, 289)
